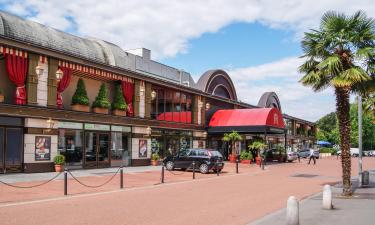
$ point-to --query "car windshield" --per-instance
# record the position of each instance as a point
(216, 153)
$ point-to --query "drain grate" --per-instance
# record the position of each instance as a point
(305, 175)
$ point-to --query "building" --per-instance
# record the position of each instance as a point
(167, 110)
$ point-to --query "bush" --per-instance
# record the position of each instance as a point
(246, 156)
(102, 101)
(80, 96)
(328, 150)
(59, 160)
(155, 156)
(119, 102)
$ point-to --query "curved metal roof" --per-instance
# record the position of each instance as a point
(204, 80)
(26, 31)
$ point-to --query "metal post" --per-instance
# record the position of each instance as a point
(237, 161)
(262, 163)
(217, 167)
(65, 181)
(162, 173)
(193, 170)
(360, 140)
(121, 178)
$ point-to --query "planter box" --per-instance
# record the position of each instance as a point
(258, 160)
(232, 158)
(81, 108)
(100, 110)
(118, 112)
(1, 98)
(154, 162)
(246, 161)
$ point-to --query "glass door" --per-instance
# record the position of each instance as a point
(96, 150)
(90, 149)
(103, 149)
(13, 149)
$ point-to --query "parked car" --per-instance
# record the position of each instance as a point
(305, 153)
(274, 155)
(291, 156)
(353, 152)
(205, 160)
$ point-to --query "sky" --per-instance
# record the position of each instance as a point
(256, 41)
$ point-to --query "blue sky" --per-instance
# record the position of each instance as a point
(256, 41)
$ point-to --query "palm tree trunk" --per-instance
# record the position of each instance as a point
(342, 109)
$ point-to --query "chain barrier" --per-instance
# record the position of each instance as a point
(32, 186)
(94, 186)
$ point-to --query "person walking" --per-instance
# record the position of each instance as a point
(312, 156)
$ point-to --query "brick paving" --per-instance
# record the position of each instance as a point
(227, 199)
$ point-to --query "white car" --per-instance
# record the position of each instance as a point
(353, 152)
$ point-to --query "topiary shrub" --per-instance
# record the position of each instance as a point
(101, 100)
(119, 101)
(80, 96)
(59, 160)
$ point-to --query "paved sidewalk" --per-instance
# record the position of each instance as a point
(357, 210)
(28, 177)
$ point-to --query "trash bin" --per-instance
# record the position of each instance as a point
(365, 178)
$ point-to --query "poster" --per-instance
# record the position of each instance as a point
(42, 148)
(142, 148)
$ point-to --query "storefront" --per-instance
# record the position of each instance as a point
(167, 142)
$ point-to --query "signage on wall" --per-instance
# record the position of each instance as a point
(142, 148)
(42, 148)
(93, 126)
(70, 125)
(121, 128)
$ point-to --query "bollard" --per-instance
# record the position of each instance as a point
(365, 178)
(237, 161)
(292, 211)
(162, 173)
(193, 170)
(217, 167)
(65, 181)
(327, 197)
(121, 178)
(262, 163)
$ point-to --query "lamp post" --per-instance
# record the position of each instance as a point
(360, 140)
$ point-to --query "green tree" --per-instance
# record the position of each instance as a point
(80, 95)
(232, 138)
(119, 101)
(335, 56)
(368, 128)
(101, 100)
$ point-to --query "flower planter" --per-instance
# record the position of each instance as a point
(118, 112)
(1, 98)
(100, 110)
(59, 168)
(232, 158)
(258, 160)
(154, 162)
(246, 161)
(81, 108)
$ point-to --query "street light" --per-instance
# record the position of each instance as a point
(360, 140)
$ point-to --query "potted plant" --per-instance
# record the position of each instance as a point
(281, 151)
(1, 96)
(258, 146)
(59, 161)
(246, 157)
(119, 105)
(232, 138)
(80, 100)
(101, 103)
(155, 159)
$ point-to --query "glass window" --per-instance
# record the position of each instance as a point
(120, 149)
(70, 145)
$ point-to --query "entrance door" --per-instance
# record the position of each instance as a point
(11, 145)
(96, 149)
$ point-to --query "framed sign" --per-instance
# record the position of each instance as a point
(142, 148)
(42, 148)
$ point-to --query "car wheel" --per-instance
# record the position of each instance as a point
(203, 168)
(169, 165)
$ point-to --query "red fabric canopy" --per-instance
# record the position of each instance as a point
(16, 66)
(63, 84)
(179, 117)
(247, 117)
(128, 91)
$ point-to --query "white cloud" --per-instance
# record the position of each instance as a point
(165, 27)
(282, 78)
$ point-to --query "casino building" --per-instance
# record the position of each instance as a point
(52, 89)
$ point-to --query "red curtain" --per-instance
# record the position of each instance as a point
(17, 68)
(128, 91)
(63, 84)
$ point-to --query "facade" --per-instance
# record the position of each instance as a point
(167, 111)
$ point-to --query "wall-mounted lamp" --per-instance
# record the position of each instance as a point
(153, 94)
(148, 130)
(205, 134)
(39, 70)
(208, 106)
(142, 92)
(200, 104)
(59, 74)
(50, 123)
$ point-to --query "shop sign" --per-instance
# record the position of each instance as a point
(92, 126)
(121, 128)
(70, 125)
(42, 148)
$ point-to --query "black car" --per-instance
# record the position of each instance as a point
(205, 160)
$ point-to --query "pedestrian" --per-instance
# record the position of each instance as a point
(312, 156)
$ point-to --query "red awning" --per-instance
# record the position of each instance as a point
(247, 120)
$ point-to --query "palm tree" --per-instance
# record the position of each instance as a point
(232, 138)
(340, 54)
